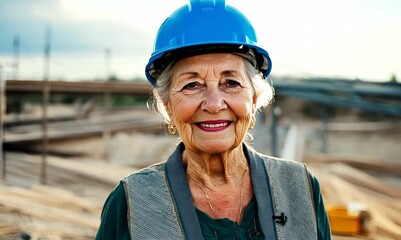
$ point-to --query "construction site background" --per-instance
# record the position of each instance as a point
(56, 190)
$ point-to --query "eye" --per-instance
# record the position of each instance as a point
(230, 85)
(192, 87)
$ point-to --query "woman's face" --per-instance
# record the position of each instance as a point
(211, 101)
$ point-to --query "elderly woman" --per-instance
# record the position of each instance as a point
(208, 75)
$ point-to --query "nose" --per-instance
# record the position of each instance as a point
(213, 100)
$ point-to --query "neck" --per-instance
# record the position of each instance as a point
(214, 170)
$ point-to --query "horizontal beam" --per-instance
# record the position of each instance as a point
(390, 108)
(139, 88)
(364, 88)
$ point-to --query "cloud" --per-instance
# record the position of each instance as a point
(70, 30)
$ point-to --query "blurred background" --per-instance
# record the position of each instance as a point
(75, 116)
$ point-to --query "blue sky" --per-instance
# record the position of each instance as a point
(310, 38)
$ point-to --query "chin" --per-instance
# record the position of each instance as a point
(217, 147)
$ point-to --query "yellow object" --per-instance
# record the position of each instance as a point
(351, 219)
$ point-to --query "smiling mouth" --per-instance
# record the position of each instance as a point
(208, 125)
(213, 126)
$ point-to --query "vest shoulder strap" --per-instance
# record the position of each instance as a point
(292, 199)
(151, 210)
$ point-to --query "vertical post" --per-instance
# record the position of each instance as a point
(324, 119)
(15, 57)
(107, 52)
(45, 100)
(107, 102)
(274, 140)
(2, 117)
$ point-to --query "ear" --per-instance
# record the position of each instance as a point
(254, 102)
(168, 108)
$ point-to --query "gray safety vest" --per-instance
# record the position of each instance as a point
(152, 210)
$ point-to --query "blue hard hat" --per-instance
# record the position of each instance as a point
(205, 26)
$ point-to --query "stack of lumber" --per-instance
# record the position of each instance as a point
(374, 185)
(68, 207)
(47, 212)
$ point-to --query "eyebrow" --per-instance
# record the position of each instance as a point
(224, 73)
(230, 72)
(188, 73)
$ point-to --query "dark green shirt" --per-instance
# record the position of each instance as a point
(225, 229)
(114, 224)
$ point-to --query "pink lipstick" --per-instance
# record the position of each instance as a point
(213, 125)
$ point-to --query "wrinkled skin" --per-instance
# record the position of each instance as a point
(211, 87)
(211, 103)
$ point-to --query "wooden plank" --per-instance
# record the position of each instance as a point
(96, 125)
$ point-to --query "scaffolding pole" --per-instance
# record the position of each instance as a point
(16, 47)
(2, 117)
(45, 100)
